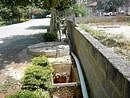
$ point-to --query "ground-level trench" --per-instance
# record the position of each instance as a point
(65, 80)
(66, 83)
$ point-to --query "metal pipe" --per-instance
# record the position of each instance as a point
(83, 86)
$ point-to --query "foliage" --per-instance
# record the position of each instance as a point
(49, 37)
(57, 4)
(12, 10)
(29, 94)
(6, 14)
(12, 3)
(110, 5)
(117, 43)
(53, 6)
(24, 12)
(38, 12)
(105, 38)
(36, 80)
(79, 10)
(12, 15)
(23, 94)
(42, 94)
(2, 23)
(64, 4)
(96, 34)
(37, 77)
(40, 61)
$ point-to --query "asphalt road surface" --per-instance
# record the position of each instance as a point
(15, 38)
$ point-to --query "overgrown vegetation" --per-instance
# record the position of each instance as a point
(37, 77)
(117, 42)
(49, 37)
(110, 5)
(80, 10)
(2, 23)
(11, 14)
(40, 73)
(40, 61)
(37, 80)
(17, 14)
(28, 94)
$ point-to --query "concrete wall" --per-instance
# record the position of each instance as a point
(102, 19)
(107, 75)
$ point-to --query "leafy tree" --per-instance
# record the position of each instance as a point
(6, 14)
(10, 10)
(53, 6)
(110, 5)
(79, 10)
(14, 3)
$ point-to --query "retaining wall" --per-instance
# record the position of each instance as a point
(102, 19)
(106, 74)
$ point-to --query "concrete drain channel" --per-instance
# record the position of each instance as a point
(66, 83)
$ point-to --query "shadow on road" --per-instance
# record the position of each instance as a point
(37, 27)
(12, 46)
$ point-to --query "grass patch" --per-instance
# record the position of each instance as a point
(2, 23)
(24, 20)
(120, 45)
(28, 94)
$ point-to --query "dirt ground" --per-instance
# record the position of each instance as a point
(12, 74)
(122, 28)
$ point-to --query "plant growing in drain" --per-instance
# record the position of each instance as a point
(40, 61)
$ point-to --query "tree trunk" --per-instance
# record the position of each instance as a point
(53, 22)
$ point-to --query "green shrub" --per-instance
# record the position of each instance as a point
(29, 94)
(37, 77)
(49, 37)
(40, 61)
(42, 94)
(80, 10)
(24, 94)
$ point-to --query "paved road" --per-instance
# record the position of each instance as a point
(17, 37)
